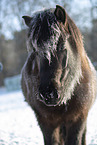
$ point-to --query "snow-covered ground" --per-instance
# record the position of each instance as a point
(18, 125)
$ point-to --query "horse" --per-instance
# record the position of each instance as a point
(58, 79)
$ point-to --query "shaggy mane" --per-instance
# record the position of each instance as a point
(75, 33)
(44, 32)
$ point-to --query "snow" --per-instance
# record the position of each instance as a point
(18, 125)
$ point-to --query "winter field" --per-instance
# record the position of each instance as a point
(18, 125)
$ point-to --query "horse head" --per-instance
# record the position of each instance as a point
(54, 45)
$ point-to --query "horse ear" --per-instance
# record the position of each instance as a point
(60, 14)
(27, 20)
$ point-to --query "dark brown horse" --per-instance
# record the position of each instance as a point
(58, 79)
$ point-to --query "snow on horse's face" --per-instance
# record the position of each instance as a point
(58, 61)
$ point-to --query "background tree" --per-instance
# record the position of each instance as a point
(93, 35)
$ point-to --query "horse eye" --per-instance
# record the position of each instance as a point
(64, 61)
(60, 45)
(62, 48)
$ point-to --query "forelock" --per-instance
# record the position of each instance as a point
(44, 32)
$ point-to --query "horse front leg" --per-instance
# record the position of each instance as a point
(77, 133)
(53, 136)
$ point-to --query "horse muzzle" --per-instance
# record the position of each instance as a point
(49, 97)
